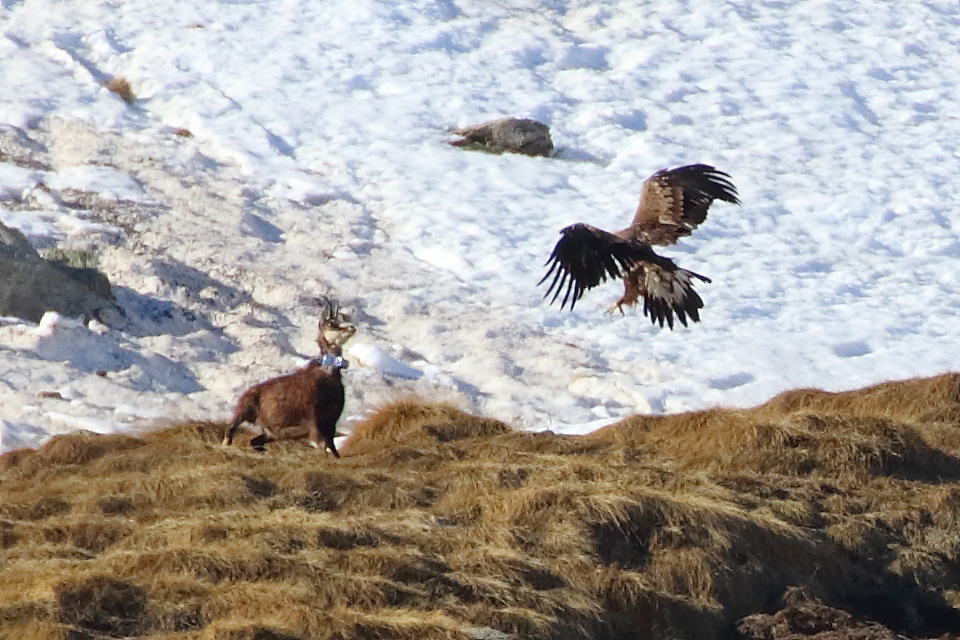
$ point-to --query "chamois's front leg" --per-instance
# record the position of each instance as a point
(331, 446)
(319, 438)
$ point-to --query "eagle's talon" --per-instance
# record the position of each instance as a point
(616, 306)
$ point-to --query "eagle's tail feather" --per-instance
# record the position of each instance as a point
(668, 293)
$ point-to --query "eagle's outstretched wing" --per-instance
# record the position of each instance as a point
(674, 201)
(585, 256)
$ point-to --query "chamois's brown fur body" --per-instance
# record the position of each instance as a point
(311, 398)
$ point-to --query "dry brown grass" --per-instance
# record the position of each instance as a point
(121, 87)
(439, 524)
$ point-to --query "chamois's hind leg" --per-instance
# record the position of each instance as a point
(228, 436)
(243, 413)
(261, 440)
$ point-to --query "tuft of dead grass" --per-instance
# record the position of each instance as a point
(440, 524)
(102, 604)
(858, 434)
(411, 420)
(121, 87)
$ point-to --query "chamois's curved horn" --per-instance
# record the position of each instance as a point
(327, 311)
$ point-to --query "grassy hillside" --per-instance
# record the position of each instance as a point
(438, 524)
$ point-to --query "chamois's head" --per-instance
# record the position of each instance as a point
(334, 329)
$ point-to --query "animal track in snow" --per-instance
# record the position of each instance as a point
(851, 349)
(731, 381)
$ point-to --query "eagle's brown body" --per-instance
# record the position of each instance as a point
(672, 204)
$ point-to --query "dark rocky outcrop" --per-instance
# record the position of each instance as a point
(30, 285)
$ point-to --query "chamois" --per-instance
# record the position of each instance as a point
(311, 398)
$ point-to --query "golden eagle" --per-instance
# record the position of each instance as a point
(672, 203)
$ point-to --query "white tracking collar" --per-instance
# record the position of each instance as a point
(337, 362)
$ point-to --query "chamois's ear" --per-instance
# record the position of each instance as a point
(328, 309)
(327, 320)
(321, 338)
